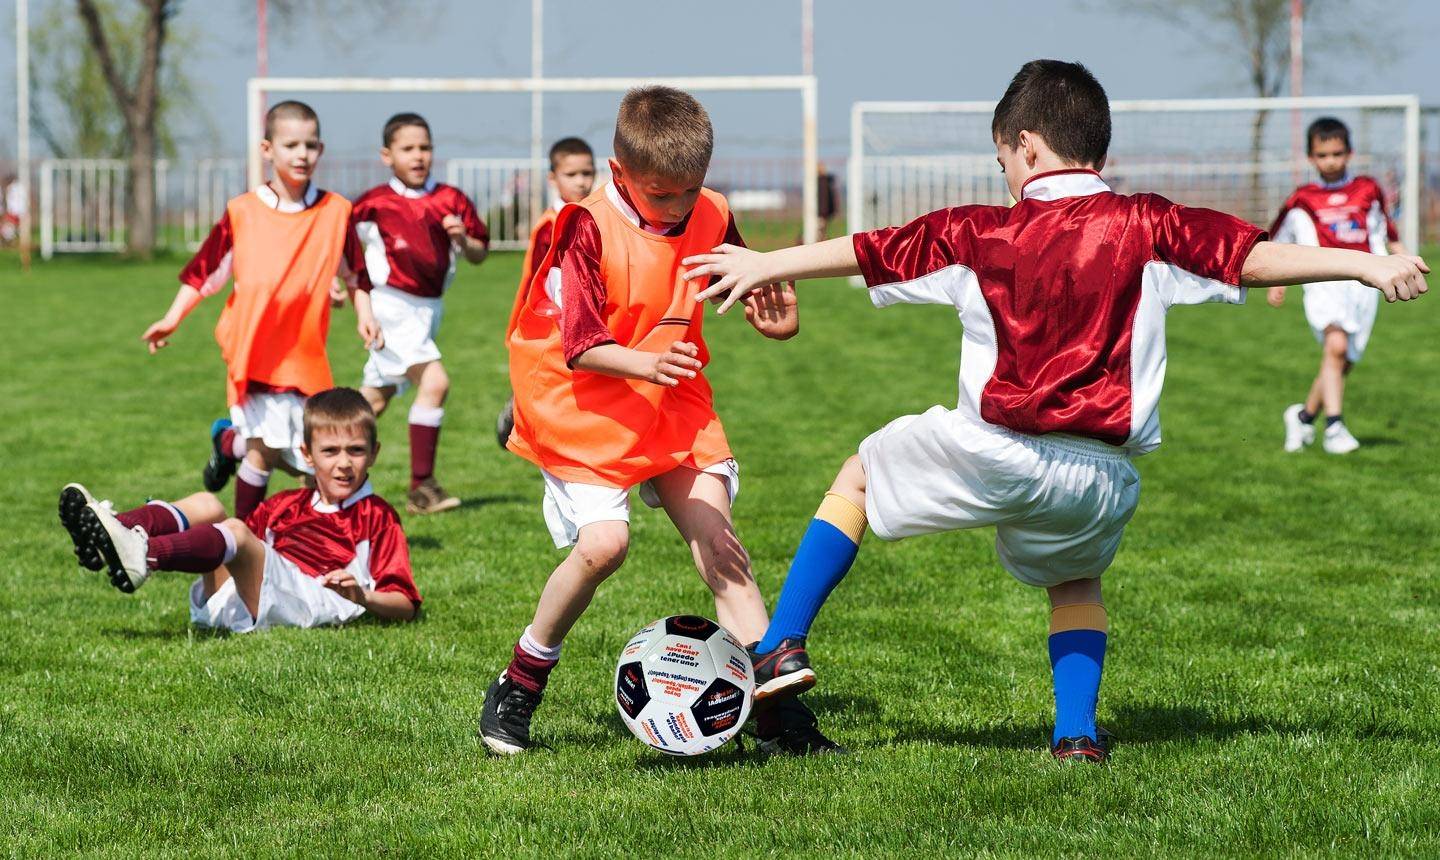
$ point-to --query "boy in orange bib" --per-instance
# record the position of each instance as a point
(606, 359)
(284, 243)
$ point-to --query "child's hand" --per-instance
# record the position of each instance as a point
(157, 336)
(455, 228)
(1275, 296)
(739, 272)
(679, 362)
(773, 311)
(1401, 277)
(370, 332)
(338, 293)
(343, 583)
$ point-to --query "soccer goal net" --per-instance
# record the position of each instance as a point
(1242, 156)
(489, 144)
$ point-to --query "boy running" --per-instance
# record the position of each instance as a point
(606, 358)
(284, 243)
(1339, 211)
(413, 228)
(1063, 300)
(303, 558)
(572, 177)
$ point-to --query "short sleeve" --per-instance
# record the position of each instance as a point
(209, 270)
(474, 227)
(927, 261)
(390, 557)
(582, 287)
(352, 262)
(1210, 244)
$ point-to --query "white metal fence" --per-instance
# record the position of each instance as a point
(82, 203)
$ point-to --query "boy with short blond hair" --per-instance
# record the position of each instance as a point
(284, 243)
(303, 558)
(413, 229)
(606, 359)
(1339, 211)
(1063, 299)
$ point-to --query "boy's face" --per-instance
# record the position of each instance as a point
(294, 149)
(573, 176)
(341, 457)
(662, 201)
(1331, 157)
(409, 155)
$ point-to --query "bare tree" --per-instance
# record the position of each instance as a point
(138, 101)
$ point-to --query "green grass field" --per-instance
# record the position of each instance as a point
(1272, 676)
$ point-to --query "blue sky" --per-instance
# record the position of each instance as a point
(901, 49)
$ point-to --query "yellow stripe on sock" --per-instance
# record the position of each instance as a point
(842, 513)
(1079, 616)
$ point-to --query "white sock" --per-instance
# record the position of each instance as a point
(535, 649)
(180, 519)
(229, 542)
(252, 476)
(238, 447)
(426, 416)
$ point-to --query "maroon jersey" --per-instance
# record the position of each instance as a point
(406, 246)
(581, 294)
(1349, 214)
(320, 538)
(1063, 298)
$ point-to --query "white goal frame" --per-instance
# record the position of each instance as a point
(805, 85)
(1410, 188)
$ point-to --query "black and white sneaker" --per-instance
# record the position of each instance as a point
(505, 720)
(788, 727)
(122, 549)
(783, 672)
(221, 465)
(74, 498)
(505, 422)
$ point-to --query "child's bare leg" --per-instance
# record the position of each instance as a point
(246, 567)
(432, 383)
(699, 505)
(1314, 400)
(379, 398)
(1332, 371)
(253, 476)
(432, 386)
(1078, 633)
(599, 552)
(201, 508)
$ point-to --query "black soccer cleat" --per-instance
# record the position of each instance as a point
(505, 422)
(1083, 749)
(783, 672)
(73, 499)
(788, 727)
(505, 719)
(221, 466)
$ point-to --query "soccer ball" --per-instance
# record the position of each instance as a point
(683, 685)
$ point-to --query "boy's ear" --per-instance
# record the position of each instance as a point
(305, 452)
(615, 171)
(385, 157)
(267, 149)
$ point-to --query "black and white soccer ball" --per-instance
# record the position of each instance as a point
(684, 685)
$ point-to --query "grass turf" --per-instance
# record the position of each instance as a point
(1272, 674)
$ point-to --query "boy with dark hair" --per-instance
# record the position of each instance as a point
(606, 359)
(284, 243)
(413, 229)
(572, 177)
(1339, 211)
(303, 558)
(1063, 300)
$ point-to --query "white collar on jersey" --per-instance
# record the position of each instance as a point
(615, 197)
(1055, 184)
(1339, 183)
(268, 196)
(406, 191)
(327, 508)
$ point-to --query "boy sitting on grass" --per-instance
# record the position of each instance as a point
(303, 558)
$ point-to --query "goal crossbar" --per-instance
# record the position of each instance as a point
(805, 85)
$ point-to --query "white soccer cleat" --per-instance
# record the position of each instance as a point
(1338, 439)
(122, 549)
(1298, 434)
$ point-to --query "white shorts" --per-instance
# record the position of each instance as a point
(288, 598)
(277, 420)
(1347, 305)
(570, 506)
(1059, 504)
(409, 323)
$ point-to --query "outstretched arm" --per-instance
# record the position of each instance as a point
(1274, 264)
(157, 336)
(741, 271)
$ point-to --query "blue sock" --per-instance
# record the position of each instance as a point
(824, 557)
(1077, 657)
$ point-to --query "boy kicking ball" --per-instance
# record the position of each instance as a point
(1339, 211)
(1063, 300)
(303, 558)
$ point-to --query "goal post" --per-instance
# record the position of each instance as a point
(803, 85)
(1237, 155)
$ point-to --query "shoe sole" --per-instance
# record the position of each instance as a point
(783, 686)
(95, 532)
(219, 468)
(499, 747)
(449, 504)
(72, 502)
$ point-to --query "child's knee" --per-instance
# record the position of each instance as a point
(850, 482)
(601, 548)
(239, 533)
(203, 508)
(1337, 344)
(435, 382)
(378, 398)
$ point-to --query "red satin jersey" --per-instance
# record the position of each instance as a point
(363, 535)
(1345, 214)
(406, 246)
(1063, 298)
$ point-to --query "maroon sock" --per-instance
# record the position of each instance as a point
(529, 671)
(248, 496)
(197, 550)
(423, 441)
(227, 442)
(156, 518)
